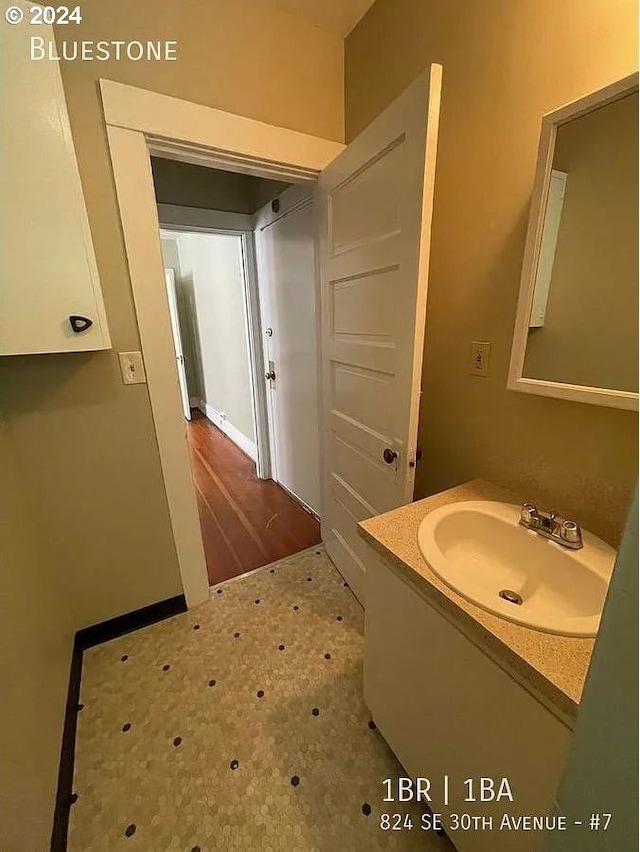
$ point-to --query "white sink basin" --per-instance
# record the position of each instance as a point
(479, 549)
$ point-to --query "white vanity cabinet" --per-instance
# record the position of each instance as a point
(447, 709)
(48, 272)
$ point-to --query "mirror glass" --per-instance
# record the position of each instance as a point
(583, 326)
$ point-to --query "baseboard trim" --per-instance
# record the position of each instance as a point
(300, 501)
(88, 637)
(67, 755)
(130, 621)
(246, 444)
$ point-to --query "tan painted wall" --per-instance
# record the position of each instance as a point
(505, 64)
(36, 636)
(212, 292)
(88, 440)
(212, 189)
(590, 331)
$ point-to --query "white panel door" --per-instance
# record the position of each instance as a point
(170, 280)
(287, 272)
(375, 204)
(50, 296)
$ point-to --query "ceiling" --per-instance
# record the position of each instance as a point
(336, 16)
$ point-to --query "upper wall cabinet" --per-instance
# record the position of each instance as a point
(50, 298)
(576, 334)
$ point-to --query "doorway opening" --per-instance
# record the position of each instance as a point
(240, 282)
(374, 202)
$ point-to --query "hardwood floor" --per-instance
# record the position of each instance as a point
(246, 522)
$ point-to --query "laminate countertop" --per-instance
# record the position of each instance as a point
(553, 668)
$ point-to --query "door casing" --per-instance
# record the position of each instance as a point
(140, 123)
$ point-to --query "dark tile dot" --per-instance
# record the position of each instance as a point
(372, 724)
(346, 585)
(296, 608)
(272, 571)
(260, 693)
(177, 741)
(318, 552)
(73, 798)
(130, 830)
(338, 618)
(126, 727)
(366, 809)
(196, 627)
(80, 707)
(280, 647)
(218, 591)
(166, 667)
(315, 712)
(309, 579)
(257, 600)
(295, 781)
(195, 849)
(234, 764)
(235, 635)
(327, 656)
(212, 683)
(124, 658)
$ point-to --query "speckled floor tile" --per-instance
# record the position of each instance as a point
(238, 725)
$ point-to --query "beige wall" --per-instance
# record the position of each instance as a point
(213, 189)
(505, 64)
(212, 294)
(87, 440)
(36, 636)
(590, 331)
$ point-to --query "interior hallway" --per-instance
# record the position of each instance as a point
(246, 522)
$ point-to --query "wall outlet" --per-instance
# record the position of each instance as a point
(132, 368)
(480, 355)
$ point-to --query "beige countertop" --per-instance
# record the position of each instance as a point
(552, 667)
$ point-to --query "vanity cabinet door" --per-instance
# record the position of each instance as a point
(48, 272)
(445, 708)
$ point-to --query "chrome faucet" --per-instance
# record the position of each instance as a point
(549, 525)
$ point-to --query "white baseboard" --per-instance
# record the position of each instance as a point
(246, 444)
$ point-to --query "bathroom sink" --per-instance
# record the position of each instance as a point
(479, 550)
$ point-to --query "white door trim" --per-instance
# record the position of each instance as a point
(135, 119)
(206, 136)
(177, 217)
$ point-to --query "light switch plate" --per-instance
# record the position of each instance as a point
(132, 368)
(480, 355)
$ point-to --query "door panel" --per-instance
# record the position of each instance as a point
(287, 262)
(375, 202)
(363, 395)
(169, 277)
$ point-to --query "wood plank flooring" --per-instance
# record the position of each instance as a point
(246, 522)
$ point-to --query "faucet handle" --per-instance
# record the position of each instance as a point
(570, 533)
(528, 513)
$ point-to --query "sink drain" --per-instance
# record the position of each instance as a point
(512, 597)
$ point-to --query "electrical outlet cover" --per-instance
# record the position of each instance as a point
(132, 368)
(479, 360)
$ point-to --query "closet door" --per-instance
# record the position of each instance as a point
(50, 298)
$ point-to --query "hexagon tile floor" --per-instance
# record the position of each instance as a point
(238, 725)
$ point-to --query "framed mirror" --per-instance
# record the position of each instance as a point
(576, 332)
